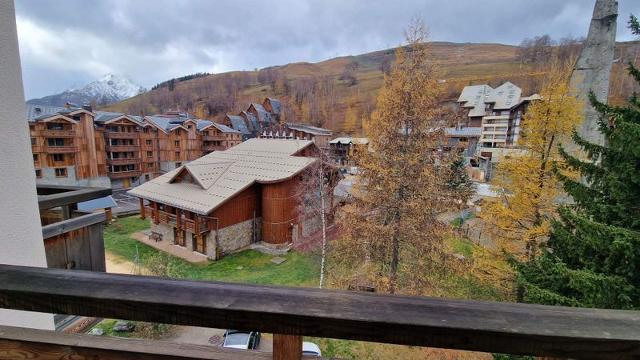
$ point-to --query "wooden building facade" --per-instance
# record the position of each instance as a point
(80, 147)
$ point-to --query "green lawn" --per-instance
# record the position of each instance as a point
(245, 267)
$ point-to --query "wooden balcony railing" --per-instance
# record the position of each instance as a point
(121, 135)
(59, 133)
(291, 313)
(214, 138)
(124, 161)
(122, 148)
(213, 148)
(203, 225)
(60, 149)
(124, 174)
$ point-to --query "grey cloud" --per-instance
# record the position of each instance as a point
(64, 41)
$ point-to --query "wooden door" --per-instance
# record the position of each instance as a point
(126, 183)
(179, 237)
(201, 244)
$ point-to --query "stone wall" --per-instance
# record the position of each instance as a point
(233, 238)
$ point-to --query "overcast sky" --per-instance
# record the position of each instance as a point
(65, 43)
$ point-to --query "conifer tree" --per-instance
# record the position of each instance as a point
(593, 258)
(459, 182)
(391, 235)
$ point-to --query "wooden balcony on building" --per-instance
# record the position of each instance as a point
(214, 138)
(125, 174)
(124, 161)
(199, 225)
(60, 149)
(36, 149)
(58, 133)
(209, 148)
(121, 135)
(291, 313)
(122, 148)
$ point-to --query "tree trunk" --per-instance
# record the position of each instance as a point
(395, 259)
(324, 226)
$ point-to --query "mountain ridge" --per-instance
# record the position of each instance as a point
(106, 90)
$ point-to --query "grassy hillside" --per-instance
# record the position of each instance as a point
(338, 93)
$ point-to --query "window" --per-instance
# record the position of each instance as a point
(189, 127)
(58, 157)
(149, 142)
(38, 173)
(147, 177)
(55, 126)
(149, 165)
(61, 172)
(177, 155)
(33, 141)
(55, 142)
(178, 164)
(35, 157)
(149, 153)
(177, 142)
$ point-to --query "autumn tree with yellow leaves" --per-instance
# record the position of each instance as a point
(391, 237)
(520, 218)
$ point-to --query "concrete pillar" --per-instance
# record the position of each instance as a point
(593, 67)
(21, 241)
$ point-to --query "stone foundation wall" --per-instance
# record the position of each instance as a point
(235, 237)
(311, 225)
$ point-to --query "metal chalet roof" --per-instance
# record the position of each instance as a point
(237, 122)
(275, 105)
(505, 96)
(263, 114)
(309, 129)
(36, 112)
(474, 97)
(221, 175)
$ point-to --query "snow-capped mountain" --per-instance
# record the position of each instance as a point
(106, 90)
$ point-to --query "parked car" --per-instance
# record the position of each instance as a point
(237, 339)
(310, 349)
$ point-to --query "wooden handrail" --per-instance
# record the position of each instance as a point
(421, 321)
(54, 196)
(76, 223)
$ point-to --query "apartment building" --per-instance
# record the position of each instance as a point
(67, 148)
(78, 146)
(497, 116)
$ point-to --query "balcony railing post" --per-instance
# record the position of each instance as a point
(142, 210)
(156, 214)
(287, 347)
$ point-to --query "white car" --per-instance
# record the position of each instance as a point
(245, 340)
(310, 349)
